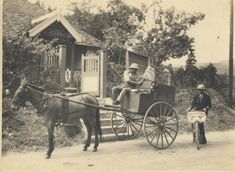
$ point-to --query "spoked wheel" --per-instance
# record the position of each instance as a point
(126, 125)
(197, 135)
(160, 125)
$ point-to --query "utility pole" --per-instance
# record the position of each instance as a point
(231, 56)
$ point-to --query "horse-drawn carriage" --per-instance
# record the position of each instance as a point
(150, 109)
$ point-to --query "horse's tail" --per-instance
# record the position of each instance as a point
(98, 125)
(97, 117)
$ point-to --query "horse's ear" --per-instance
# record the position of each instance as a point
(24, 76)
(24, 81)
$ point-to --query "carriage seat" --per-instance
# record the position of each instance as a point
(144, 88)
(139, 99)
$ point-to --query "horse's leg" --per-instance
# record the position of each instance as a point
(89, 132)
(50, 128)
(96, 138)
(95, 128)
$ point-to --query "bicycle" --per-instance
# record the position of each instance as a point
(196, 117)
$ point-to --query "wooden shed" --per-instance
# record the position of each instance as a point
(78, 53)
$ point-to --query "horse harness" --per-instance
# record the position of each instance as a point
(63, 112)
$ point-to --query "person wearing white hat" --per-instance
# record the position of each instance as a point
(131, 81)
(201, 102)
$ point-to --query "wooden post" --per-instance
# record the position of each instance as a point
(72, 63)
(103, 73)
(62, 64)
(231, 55)
(73, 56)
(127, 59)
(149, 62)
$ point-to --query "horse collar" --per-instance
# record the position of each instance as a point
(43, 106)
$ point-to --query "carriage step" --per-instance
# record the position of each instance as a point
(107, 138)
(105, 121)
(105, 114)
(107, 130)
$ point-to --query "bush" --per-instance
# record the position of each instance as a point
(114, 76)
(23, 56)
(52, 87)
(193, 76)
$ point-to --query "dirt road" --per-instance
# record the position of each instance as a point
(133, 155)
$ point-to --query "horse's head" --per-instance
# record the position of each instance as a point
(21, 96)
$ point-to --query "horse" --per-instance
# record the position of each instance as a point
(50, 106)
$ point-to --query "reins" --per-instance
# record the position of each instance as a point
(105, 107)
(43, 103)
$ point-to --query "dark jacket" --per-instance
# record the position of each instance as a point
(205, 102)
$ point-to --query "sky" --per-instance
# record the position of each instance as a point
(211, 34)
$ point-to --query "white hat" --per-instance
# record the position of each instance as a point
(134, 66)
(201, 87)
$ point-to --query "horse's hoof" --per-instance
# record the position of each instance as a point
(85, 149)
(48, 156)
(95, 150)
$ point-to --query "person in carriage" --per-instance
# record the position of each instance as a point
(132, 80)
(201, 102)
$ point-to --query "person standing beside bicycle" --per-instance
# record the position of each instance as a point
(201, 102)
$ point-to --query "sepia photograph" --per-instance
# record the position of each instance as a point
(117, 85)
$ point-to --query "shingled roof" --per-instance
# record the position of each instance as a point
(17, 14)
(80, 36)
(89, 40)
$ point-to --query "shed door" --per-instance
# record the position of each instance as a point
(52, 65)
(90, 74)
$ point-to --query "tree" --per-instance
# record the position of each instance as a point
(180, 77)
(121, 26)
(190, 62)
(81, 18)
(115, 26)
(168, 38)
(210, 74)
(194, 76)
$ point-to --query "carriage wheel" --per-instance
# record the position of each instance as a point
(126, 125)
(160, 125)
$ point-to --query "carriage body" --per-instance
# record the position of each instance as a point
(150, 111)
(140, 102)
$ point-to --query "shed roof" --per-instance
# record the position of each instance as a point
(80, 36)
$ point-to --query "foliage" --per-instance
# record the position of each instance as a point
(180, 75)
(115, 26)
(190, 62)
(191, 77)
(114, 76)
(225, 79)
(194, 76)
(160, 74)
(121, 26)
(169, 38)
(210, 73)
(22, 56)
(52, 87)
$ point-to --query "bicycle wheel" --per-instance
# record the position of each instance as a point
(197, 135)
